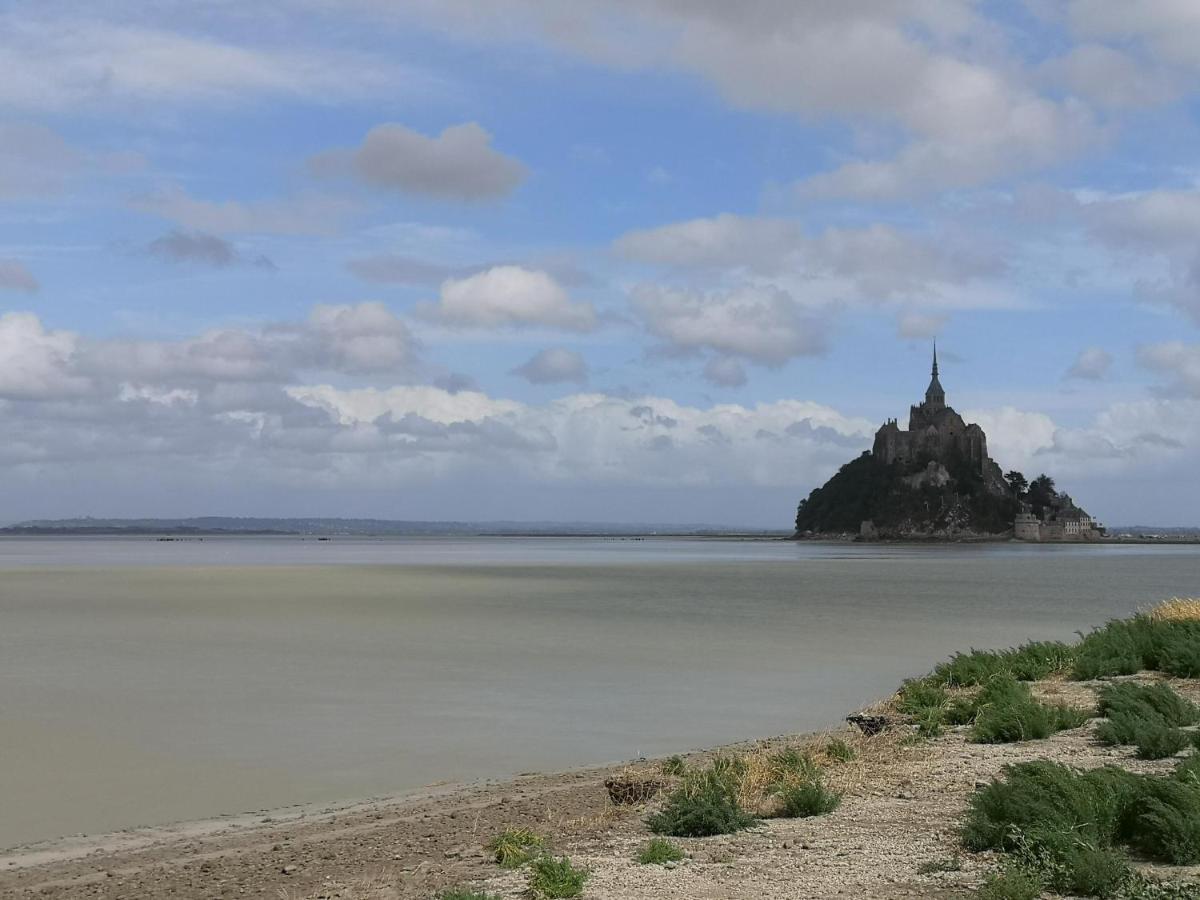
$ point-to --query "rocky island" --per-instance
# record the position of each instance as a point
(935, 480)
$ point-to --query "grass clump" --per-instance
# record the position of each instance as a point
(1011, 884)
(919, 694)
(554, 878)
(1165, 823)
(467, 894)
(808, 798)
(1006, 711)
(838, 749)
(658, 851)
(513, 847)
(674, 766)
(704, 805)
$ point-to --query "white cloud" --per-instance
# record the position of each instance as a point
(506, 297)
(36, 364)
(721, 242)
(1092, 364)
(1179, 361)
(1015, 437)
(458, 164)
(1111, 78)
(873, 262)
(762, 324)
(362, 338)
(554, 365)
(1169, 29)
(81, 63)
(14, 276)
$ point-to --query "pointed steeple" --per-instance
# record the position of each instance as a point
(935, 397)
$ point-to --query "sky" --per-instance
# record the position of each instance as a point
(589, 260)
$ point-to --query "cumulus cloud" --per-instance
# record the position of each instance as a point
(761, 324)
(205, 249)
(1092, 364)
(36, 364)
(14, 276)
(554, 365)
(1108, 77)
(721, 242)
(508, 297)
(459, 164)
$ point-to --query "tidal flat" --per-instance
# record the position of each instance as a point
(189, 681)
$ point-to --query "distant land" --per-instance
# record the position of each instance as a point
(332, 527)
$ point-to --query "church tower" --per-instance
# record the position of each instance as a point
(935, 397)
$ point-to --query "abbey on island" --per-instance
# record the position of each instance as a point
(934, 480)
(938, 436)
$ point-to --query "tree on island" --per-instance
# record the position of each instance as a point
(1042, 494)
(1017, 483)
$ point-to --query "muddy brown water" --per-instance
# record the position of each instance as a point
(147, 682)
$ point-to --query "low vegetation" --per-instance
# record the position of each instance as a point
(674, 766)
(1029, 662)
(810, 797)
(1002, 711)
(1074, 824)
(658, 851)
(1168, 643)
(513, 847)
(706, 804)
(467, 894)
(840, 751)
(555, 877)
(1147, 716)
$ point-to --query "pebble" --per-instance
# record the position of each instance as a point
(288, 870)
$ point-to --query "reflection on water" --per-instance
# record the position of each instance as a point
(146, 682)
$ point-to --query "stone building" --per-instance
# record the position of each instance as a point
(1063, 521)
(936, 434)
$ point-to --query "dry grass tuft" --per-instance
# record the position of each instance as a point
(1177, 609)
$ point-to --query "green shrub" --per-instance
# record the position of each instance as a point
(513, 847)
(1043, 797)
(840, 750)
(1180, 655)
(929, 722)
(705, 805)
(674, 766)
(467, 894)
(1070, 865)
(658, 851)
(961, 711)
(1188, 769)
(1006, 711)
(1059, 811)
(918, 695)
(1148, 701)
(1145, 715)
(553, 878)
(1011, 884)
(1159, 741)
(808, 798)
(1165, 822)
(1126, 646)
(1029, 662)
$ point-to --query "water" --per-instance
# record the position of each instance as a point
(147, 682)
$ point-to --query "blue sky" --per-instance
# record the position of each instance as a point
(663, 261)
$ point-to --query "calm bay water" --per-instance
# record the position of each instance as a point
(146, 682)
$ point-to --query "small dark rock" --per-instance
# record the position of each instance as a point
(868, 724)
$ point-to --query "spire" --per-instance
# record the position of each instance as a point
(935, 397)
